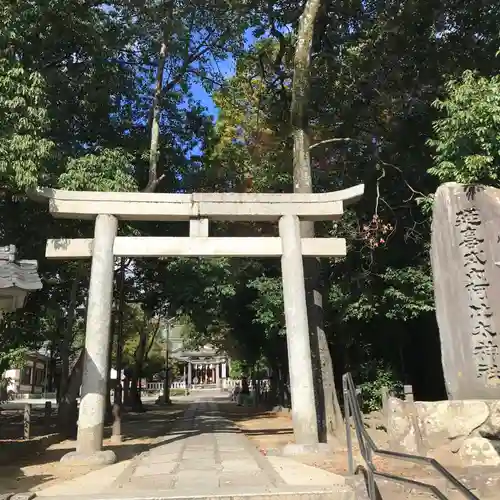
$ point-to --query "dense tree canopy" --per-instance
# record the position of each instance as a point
(106, 96)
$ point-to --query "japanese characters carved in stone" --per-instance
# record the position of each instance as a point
(464, 250)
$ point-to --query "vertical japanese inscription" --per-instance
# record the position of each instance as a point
(484, 346)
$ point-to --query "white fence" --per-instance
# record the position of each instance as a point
(158, 386)
(226, 383)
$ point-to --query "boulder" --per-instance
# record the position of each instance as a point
(479, 451)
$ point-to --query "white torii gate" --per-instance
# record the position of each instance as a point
(198, 208)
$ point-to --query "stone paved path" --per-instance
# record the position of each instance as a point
(205, 452)
(206, 456)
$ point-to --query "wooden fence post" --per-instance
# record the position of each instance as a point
(47, 414)
(384, 393)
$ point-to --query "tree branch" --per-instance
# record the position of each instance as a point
(328, 141)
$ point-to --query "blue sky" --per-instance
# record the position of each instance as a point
(228, 68)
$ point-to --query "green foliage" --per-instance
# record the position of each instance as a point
(75, 98)
(371, 390)
(13, 358)
(23, 124)
(467, 137)
(238, 369)
(268, 306)
(408, 293)
(107, 170)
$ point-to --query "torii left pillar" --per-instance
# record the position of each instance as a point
(97, 340)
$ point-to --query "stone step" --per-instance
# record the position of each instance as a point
(336, 493)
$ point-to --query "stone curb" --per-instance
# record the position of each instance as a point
(339, 493)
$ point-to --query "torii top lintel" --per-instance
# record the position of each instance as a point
(214, 206)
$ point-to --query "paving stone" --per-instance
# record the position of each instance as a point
(243, 480)
(230, 457)
(154, 469)
(159, 482)
(241, 465)
(166, 449)
(163, 458)
(204, 457)
(197, 465)
(193, 479)
(199, 455)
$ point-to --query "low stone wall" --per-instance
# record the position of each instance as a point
(10, 451)
(470, 429)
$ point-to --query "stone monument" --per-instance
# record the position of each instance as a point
(465, 246)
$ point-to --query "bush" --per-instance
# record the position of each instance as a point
(371, 391)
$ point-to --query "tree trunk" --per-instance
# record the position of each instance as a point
(140, 352)
(327, 405)
(119, 335)
(67, 338)
(67, 410)
(69, 383)
(154, 150)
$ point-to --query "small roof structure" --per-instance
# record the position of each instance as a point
(206, 352)
(17, 279)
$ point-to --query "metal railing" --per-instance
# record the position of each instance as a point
(368, 448)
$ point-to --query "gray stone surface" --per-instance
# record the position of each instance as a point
(464, 249)
(195, 462)
(305, 426)
(292, 449)
(96, 362)
(215, 206)
(446, 428)
(190, 463)
(97, 459)
(479, 451)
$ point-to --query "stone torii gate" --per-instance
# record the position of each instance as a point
(108, 208)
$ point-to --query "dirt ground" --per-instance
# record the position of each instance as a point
(271, 431)
(140, 433)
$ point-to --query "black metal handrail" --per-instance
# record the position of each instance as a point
(368, 447)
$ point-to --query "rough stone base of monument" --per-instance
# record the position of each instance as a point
(480, 451)
(466, 431)
(293, 449)
(97, 459)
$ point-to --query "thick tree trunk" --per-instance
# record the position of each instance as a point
(67, 338)
(69, 383)
(327, 405)
(140, 353)
(135, 394)
(67, 410)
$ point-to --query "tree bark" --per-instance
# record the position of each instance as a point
(328, 408)
(140, 354)
(154, 150)
(119, 335)
(67, 410)
(69, 383)
(67, 338)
